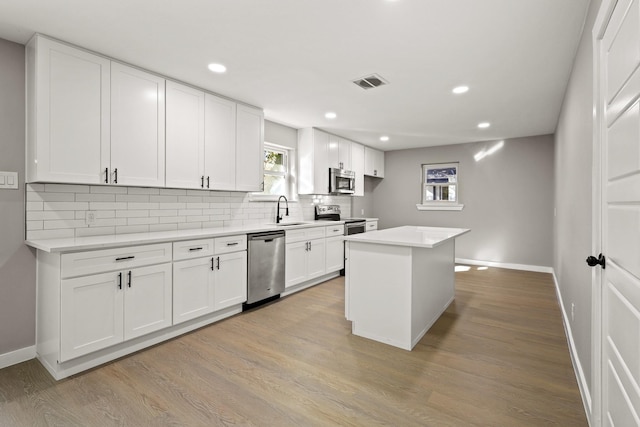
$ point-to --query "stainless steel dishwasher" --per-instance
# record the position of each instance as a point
(265, 279)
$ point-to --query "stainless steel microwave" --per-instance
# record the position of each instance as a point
(342, 181)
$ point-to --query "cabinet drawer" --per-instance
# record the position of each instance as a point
(103, 260)
(230, 244)
(302, 234)
(335, 230)
(372, 225)
(190, 249)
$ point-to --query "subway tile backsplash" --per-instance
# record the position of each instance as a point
(60, 210)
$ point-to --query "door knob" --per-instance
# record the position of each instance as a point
(593, 261)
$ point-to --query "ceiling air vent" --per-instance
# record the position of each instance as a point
(370, 82)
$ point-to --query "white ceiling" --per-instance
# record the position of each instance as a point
(296, 58)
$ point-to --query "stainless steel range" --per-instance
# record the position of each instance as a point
(332, 213)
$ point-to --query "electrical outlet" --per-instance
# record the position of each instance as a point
(9, 180)
(573, 309)
(90, 218)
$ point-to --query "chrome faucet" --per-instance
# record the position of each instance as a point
(278, 216)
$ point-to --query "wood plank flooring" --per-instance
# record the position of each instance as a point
(497, 357)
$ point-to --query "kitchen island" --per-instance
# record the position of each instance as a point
(399, 281)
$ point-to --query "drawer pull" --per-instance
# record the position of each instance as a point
(336, 230)
(124, 258)
(232, 244)
(195, 249)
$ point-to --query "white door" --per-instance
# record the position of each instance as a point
(192, 288)
(220, 142)
(618, 284)
(137, 127)
(91, 316)
(249, 148)
(147, 300)
(72, 114)
(295, 263)
(230, 283)
(184, 137)
(316, 258)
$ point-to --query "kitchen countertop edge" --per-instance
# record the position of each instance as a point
(72, 244)
(408, 236)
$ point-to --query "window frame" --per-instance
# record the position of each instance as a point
(287, 155)
(439, 205)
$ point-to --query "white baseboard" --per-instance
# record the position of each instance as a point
(524, 267)
(17, 356)
(577, 366)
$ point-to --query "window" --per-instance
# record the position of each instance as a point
(440, 187)
(276, 173)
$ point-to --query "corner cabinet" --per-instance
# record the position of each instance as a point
(357, 166)
(313, 161)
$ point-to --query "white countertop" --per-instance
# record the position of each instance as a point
(409, 235)
(118, 240)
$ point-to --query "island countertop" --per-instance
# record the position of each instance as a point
(409, 235)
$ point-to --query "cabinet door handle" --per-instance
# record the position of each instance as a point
(218, 263)
(129, 278)
(202, 181)
(232, 244)
(212, 268)
(207, 182)
(124, 258)
(115, 176)
(119, 280)
(106, 175)
(195, 249)
(309, 245)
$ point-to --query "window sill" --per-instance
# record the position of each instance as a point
(448, 207)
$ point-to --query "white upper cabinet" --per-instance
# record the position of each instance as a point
(185, 121)
(339, 153)
(249, 148)
(357, 166)
(220, 142)
(91, 120)
(373, 162)
(137, 127)
(313, 161)
(67, 113)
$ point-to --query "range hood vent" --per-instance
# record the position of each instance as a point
(370, 82)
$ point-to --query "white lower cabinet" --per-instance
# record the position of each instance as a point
(101, 310)
(335, 253)
(304, 261)
(230, 283)
(192, 288)
(207, 284)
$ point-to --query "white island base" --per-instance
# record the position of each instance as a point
(396, 288)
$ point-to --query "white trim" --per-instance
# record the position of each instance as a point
(524, 267)
(583, 384)
(451, 207)
(600, 24)
(17, 356)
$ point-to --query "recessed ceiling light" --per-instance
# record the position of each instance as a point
(217, 68)
(484, 125)
(384, 138)
(460, 89)
(331, 115)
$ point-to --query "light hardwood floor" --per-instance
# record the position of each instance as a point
(497, 357)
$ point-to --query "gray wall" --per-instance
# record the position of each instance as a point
(17, 261)
(508, 198)
(573, 190)
(276, 133)
(363, 206)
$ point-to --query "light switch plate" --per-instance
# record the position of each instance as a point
(8, 180)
